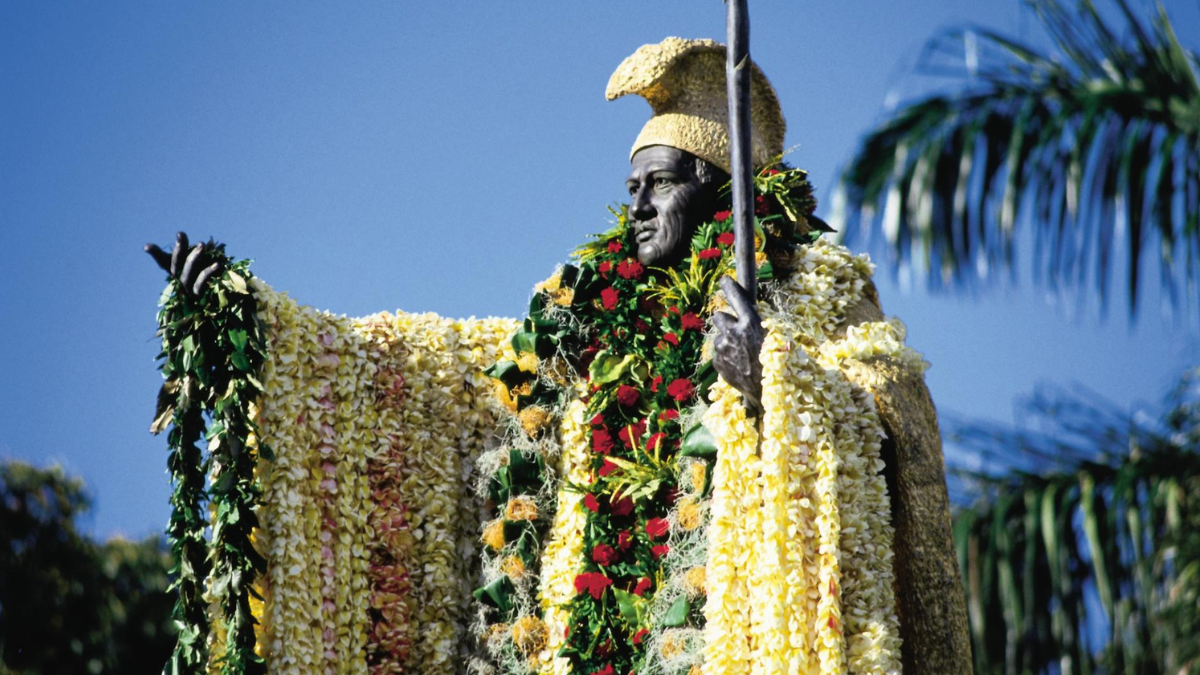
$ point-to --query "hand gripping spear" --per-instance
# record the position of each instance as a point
(737, 79)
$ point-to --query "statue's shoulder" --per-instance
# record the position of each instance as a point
(825, 289)
(830, 303)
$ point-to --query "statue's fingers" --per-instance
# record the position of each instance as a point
(180, 252)
(160, 256)
(738, 298)
(204, 276)
(191, 266)
(724, 321)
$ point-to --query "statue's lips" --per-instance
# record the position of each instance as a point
(644, 235)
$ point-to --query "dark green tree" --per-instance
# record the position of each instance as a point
(67, 603)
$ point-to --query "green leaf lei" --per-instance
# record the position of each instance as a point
(636, 336)
(213, 348)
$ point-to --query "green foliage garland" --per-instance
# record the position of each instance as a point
(213, 347)
(636, 336)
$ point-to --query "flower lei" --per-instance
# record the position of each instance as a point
(628, 343)
(213, 348)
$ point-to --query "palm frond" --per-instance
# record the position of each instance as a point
(1098, 149)
(1082, 552)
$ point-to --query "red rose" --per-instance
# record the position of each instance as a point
(604, 555)
(725, 238)
(607, 669)
(623, 507)
(630, 269)
(602, 441)
(643, 585)
(722, 216)
(593, 583)
(614, 246)
(627, 395)
(589, 500)
(668, 415)
(608, 468)
(632, 432)
(692, 322)
(609, 298)
(639, 636)
(624, 538)
(604, 268)
(657, 527)
(673, 309)
(659, 551)
(655, 382)
(598, 420)
(641, 326)
(681, 390)
(772, 172)
(761, 207)
(672, 338)
(710, 253)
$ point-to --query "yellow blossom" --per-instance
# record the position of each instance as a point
(690, 514)
(549, 285)
(513, 567)
(694, 581)
(563, 297)
(528, 362)
(521, 507)
(534, 419)
(530, 634)
(493, 535)
(698, 472)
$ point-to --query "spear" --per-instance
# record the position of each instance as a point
(737, 82)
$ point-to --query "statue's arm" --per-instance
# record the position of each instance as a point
(929, 593)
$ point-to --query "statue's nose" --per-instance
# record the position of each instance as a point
(641, 209)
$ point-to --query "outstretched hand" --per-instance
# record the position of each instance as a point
(184, 264)
(738, 343)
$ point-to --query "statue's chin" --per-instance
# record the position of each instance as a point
(649, 254)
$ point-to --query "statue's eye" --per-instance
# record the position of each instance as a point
(662, 181)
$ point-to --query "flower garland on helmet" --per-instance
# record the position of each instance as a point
(628, 342)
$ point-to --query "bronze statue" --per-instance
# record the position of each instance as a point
(678, 167)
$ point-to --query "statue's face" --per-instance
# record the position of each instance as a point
(668, 201)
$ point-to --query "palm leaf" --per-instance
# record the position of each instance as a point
(1096, 148)
(1081, 554)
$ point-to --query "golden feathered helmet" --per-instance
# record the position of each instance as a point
(684, 82)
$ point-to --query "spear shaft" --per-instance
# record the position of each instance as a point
(737, 82)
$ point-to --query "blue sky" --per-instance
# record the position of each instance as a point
(422, 156)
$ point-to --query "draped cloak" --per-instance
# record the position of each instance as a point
(371, 520)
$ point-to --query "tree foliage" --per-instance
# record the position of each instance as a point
(1094, 564)
(69, 604)
(1099, 145)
